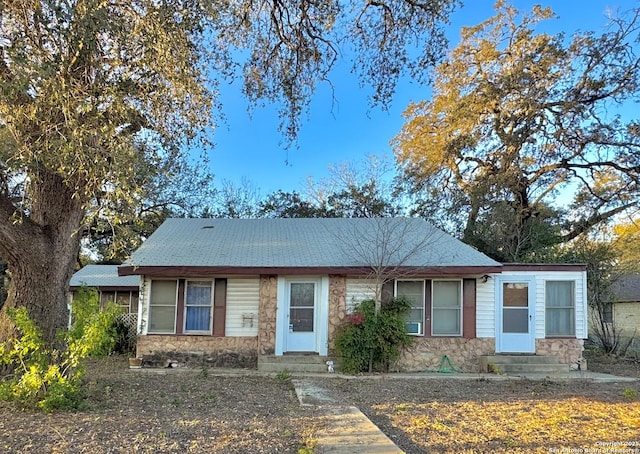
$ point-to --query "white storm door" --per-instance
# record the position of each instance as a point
(515, 314)
(301, 316)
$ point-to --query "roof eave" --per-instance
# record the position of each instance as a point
(543, 267)
(200, 271)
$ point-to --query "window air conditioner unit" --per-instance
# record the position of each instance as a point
(414, 327)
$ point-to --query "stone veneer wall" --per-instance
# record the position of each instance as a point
(426, 353)
(337, 305)
(568, 350)
(267, 315)
(158, 350)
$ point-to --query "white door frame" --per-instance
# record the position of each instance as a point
(321, 315)
(515, 342)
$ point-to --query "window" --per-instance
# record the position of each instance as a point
(123, 299)
(414, 292)
(560, 308)
(446, 303)
(607, 313)
(106, 298)
(134, 302)
(197, 304)
(515, 307)
(162, 307)
(302, 306)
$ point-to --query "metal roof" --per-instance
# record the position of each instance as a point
(317, 242)
(102, 276)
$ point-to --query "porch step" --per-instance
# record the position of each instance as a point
(523, 364)
(311, 363)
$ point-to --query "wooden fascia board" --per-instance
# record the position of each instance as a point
(103, 288)
(202, 271)
(543, 267)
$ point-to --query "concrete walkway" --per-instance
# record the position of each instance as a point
(348, 430)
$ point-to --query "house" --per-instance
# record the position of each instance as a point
(625, 308)
(237, 290)
(123, 290)
(622, 314)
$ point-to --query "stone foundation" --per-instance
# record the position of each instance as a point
(198, 351)
(426, 353)
(568, 350)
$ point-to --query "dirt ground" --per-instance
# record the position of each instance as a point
(177, 411)
(521, 416)
(166, 411)
(486, 416)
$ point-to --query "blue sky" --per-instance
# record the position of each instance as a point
(349, 130)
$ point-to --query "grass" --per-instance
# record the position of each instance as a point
(630, 393)
(501, 416)
(530, 425)
(284, 375)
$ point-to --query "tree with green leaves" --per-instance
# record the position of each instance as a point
(165, 188)
(89, 89)
(518, 117)
(293, 45)
(282, 204)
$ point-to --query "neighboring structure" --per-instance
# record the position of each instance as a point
(624, 310)
(236, 289)
(123, 290)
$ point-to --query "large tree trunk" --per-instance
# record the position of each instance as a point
(40, 249)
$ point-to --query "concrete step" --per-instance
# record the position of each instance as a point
(295, 363)
(523, 369)
(521, 359)
(523, 364)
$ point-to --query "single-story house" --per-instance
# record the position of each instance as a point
(123, 290)
(625, 307)
(240, 289)
(623, 312)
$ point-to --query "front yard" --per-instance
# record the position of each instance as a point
(455, 416)
(165, 411)
(195, 411)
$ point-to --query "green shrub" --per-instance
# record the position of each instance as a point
(371, 341)
(42, 377)
(93, 330)
(125, 337)
(48, 378)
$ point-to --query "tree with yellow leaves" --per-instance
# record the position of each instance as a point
(627, 243)
(519, 117)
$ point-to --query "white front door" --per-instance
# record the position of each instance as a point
(515, 314)
(301, 322)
